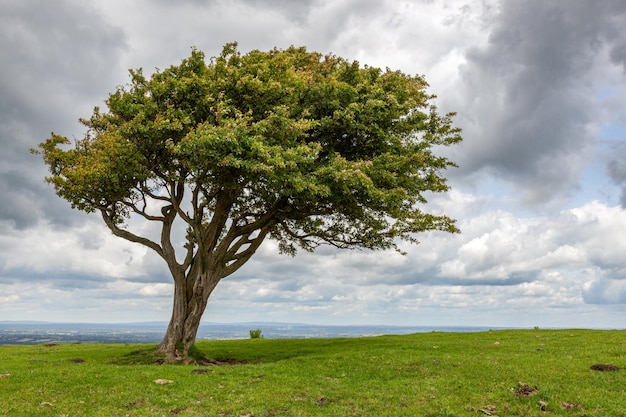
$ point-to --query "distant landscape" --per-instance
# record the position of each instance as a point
(31, 333)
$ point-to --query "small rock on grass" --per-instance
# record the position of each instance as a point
(567, 406)
(163, 381)
(488, 410)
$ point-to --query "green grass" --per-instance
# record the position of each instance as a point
(426, 374)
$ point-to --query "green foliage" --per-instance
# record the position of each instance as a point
(304, 147)
(256, 334)
(427, 374)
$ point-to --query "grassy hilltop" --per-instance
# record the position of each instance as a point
(496, 373)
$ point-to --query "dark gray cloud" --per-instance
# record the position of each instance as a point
(19, 193)
(433, 278)
(28, 199)
(530, 92)
(617, 171)
(159, 277)
(55, 59)
(613, 31)
(62, 280)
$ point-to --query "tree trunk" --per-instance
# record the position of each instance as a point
(190, 300)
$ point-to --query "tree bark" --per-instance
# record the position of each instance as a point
(190, 299)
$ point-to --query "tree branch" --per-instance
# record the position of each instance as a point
(142, 212)
(315, 239)
(223, 205)
(169, 254)
(242, 257)
(125, 234)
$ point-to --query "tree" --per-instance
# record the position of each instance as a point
(291, 145)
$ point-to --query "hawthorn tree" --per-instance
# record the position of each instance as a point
(291, 145)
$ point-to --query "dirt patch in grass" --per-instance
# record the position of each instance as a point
(323, 401)
(137, 403)
(151, 356)
(220, 362)
(605, 367)
(566, 406)
(524, 390)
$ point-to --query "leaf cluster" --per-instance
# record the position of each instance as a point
(304, 147)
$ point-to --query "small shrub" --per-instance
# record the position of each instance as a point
(256, 334)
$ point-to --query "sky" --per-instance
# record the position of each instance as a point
(539, 88)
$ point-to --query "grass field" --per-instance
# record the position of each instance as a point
(496, 373)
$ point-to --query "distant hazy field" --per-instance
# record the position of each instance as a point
(29, 333)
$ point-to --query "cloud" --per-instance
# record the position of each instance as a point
(616, 168)
(503, 248)
(529, 111)
(605, 291)
(500, 260)
(539, 90)
(88, 253)
(160, 34)
(55, 59)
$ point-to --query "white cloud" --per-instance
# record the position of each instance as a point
(89, 250)
(10, 299)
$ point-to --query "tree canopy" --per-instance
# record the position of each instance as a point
(292, 145)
